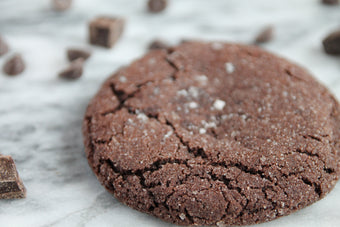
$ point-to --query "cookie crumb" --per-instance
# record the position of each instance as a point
(74, 70)
(3, 47)
(73, 54)
(229, 67)
(331, 43)
(156, 6)
(330, 2)
(61, 5)
(219, 104)
(265, 35)
(158, 44)
(14, 66)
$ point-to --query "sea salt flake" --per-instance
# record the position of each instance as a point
(221, 224)
(156, 91)
(233, 133)
(182, 92)
(201, 78)
(208, 124)
(122, 79)
(229, 67)
(202, 131)
(193, 91)
(152, 61)
(168, 134)
(244, 117)
(142, 117)
(193, 105)
(182, 216)
(263, 158)
(219, 104)
(216, 46)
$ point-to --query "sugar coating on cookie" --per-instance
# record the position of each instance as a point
(214, 134)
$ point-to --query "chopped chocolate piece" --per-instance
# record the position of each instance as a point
(3, 47)
(105, 31)
(158, 44)
(156, 6)
(61, 5)
(11, 186)
(265, 35)
(330, 2)
(73, 54)
(74, 70)
(14, 66)
(331, 43)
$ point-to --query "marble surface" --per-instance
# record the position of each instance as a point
(41, 115)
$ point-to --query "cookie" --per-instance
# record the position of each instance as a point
(214, 134)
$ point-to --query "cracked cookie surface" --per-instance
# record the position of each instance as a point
(214, 134)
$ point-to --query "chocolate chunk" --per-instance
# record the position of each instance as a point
(73, 54)
(11, 186)
(265, 35)
(105, 31)
(331, 43)
(3, 47)
(14, 66)
(158, 44)
(330, 2)
(61, 5)
(74, 70)
(156, 6)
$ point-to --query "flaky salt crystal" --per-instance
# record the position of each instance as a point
(219, 104)
(229, 67)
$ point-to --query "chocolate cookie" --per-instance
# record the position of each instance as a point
(214, 134)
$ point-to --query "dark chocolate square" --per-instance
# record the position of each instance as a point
(11, 186)
(105, 31)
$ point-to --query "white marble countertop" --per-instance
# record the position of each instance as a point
(41, 115)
